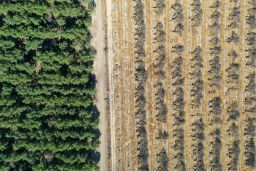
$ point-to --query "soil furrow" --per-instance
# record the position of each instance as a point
(133, 161)
(117, 97)
(149, 97)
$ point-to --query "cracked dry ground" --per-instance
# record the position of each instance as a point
(182, 89)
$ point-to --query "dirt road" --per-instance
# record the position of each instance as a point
(102, 77)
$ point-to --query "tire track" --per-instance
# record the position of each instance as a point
(110, 55)
(223, 84)
(133, 162)
(101, 73)
(117, 96)
(125, 151)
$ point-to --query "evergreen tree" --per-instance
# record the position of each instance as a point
(46, 86)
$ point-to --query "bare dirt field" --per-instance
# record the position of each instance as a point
(181, 80)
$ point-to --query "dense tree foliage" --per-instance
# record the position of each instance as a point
(47, 117)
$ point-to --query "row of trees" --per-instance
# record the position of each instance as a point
(140, 84)
(47, 114)
(196, 90)
(158, 80)
(177, 84)
(213, 89)
(250, 88)
(232, 79)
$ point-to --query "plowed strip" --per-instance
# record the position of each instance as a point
(182, 85)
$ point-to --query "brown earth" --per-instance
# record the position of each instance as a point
(181, 80)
